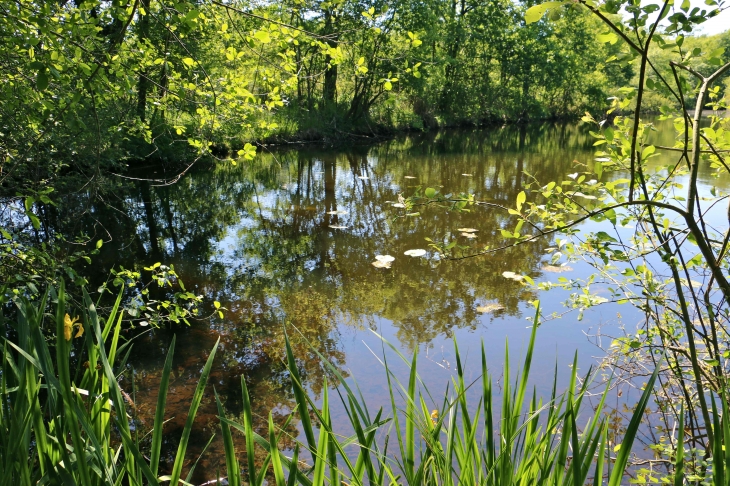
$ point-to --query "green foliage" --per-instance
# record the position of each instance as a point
(657, 245)
(63, 415)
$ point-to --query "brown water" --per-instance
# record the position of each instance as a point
(259, 238)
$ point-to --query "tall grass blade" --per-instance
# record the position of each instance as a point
(159, 422)
(234, 470)
(679, 455)
(633, 427)
(195, 403)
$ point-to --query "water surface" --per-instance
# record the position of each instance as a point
(288, 240)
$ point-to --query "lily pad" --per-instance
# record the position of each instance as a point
(383, 261)
(512, 276)
(471, 236)
(484, 309)
(337, 226)
(467, 230)
(557, 269)
(415, 253)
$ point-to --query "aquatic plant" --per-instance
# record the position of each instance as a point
(66, 422)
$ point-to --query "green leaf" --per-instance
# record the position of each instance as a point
(41, 81)
(610, 38)
(188, 61)
(430, 192)
(535, 13)
(98, 244)
(611, 215)
(648, 151)
(263, 36)
(521, 198)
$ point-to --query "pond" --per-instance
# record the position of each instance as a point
(287, 241)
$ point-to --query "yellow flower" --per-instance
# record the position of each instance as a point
(68, 326)
(434, 416)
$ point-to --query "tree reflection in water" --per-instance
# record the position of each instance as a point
(259, 238)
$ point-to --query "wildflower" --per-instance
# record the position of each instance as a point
(434, 416)
(68, 326)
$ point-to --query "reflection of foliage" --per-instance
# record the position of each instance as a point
(258, 239)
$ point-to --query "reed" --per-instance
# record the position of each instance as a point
(534, 442)
(67, 426)
(70, 426)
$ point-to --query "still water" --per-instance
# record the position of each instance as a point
(288, 241)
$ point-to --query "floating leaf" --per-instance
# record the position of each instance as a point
(383, 261)
(484, 309)
(467, 230)
(430, 192)
(467, 175)
(512, 276)
(398, 205)
(471, 236)
(144, 323)
(336, 226)
(409, 177)
(415, 253)
(337, 212)
(557, 269)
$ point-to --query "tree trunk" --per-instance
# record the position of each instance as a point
(143, 82)
(329, 91)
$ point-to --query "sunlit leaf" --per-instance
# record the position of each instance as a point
(415, 253)
(467, 230)
(263, 36)
(535, 13)
(521, 198)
